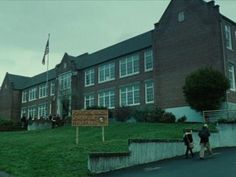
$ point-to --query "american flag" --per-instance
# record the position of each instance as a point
(46, 51)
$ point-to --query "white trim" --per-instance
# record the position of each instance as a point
(91, 71)
(145, 58)
(228, 36)
(149, 102)
(126, 59)
(110, 66)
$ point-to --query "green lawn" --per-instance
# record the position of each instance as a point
(53, 153)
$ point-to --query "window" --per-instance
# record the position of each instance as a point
(43, 90)
(89, 77)
(89, 101)
(228, 39)
(32, 112)
(181, 16)
(32, 94)
(65, 81)
(148, 60)
(231, 77)
(130, 95)
(42, 110)
(107, 99)
(52, 88)
(149, 91)
(129, 66)
(106, 72)
(23, 112)
(24, 96)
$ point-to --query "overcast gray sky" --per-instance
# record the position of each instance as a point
(76, 27)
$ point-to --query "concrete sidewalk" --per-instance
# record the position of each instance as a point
(221, 163)
(3, 174)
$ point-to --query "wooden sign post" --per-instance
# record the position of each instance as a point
(89, 118)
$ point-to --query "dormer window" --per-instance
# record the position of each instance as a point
(65, 65)
(181, 16)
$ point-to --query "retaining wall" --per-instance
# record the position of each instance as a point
(39, 125)
(143, 151)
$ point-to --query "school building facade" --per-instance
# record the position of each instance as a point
(148, 69)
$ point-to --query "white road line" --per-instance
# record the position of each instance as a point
(152, 168)
(217, 153)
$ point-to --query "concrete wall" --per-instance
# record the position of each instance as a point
(39, 125)
(146, 151)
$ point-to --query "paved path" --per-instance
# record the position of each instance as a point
(3, 174)
(221, 164)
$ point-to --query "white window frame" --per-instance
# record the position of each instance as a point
(103, 96)
(90, 74)
(181, 16)
(43, 90)
(42, 110)
(125, 62)
(147, 87)
(65, 81)
(52, 88)
(91, 100)
(228, 37)
(130, 90)
(108, 71)
(23, 111)
(24, 96)
(231, 72)
(148, 55)
(32, 111)
(32, 94)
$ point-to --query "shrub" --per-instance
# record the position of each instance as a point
(122, 114)
(168, 117)
(222, 120)
(96, 107)
(155, 115)
(182, 119)
(205, 89)
(8, 125)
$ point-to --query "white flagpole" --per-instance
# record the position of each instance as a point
(47, 87)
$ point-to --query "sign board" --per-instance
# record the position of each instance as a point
(90, 118)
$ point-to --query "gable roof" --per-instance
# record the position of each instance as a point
(134, 44)
(18, 82)
(41, 78)
(23, 82)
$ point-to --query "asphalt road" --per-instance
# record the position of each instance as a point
(221, 164)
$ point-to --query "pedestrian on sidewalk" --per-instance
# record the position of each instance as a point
(188, 141)
(204, 135)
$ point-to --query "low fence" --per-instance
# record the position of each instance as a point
(143, 151)
(215, 115)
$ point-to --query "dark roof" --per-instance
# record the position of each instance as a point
(227, 19)
(18, 82)
(123, 48)
(22, 82)
(40, 78)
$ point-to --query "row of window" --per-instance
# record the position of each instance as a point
(35, 111)
(31, 94)
(129, 66)
(129, 96)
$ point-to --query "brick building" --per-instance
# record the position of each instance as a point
(148, 69)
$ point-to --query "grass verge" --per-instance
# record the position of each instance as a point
(53, 153)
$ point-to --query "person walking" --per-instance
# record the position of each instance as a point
(204, 135)
(188, 141)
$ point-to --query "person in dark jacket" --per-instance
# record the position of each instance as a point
(204, 135)
(188, 141)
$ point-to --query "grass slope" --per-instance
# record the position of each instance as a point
(53, 153)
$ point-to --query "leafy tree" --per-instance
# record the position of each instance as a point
(205, 89)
